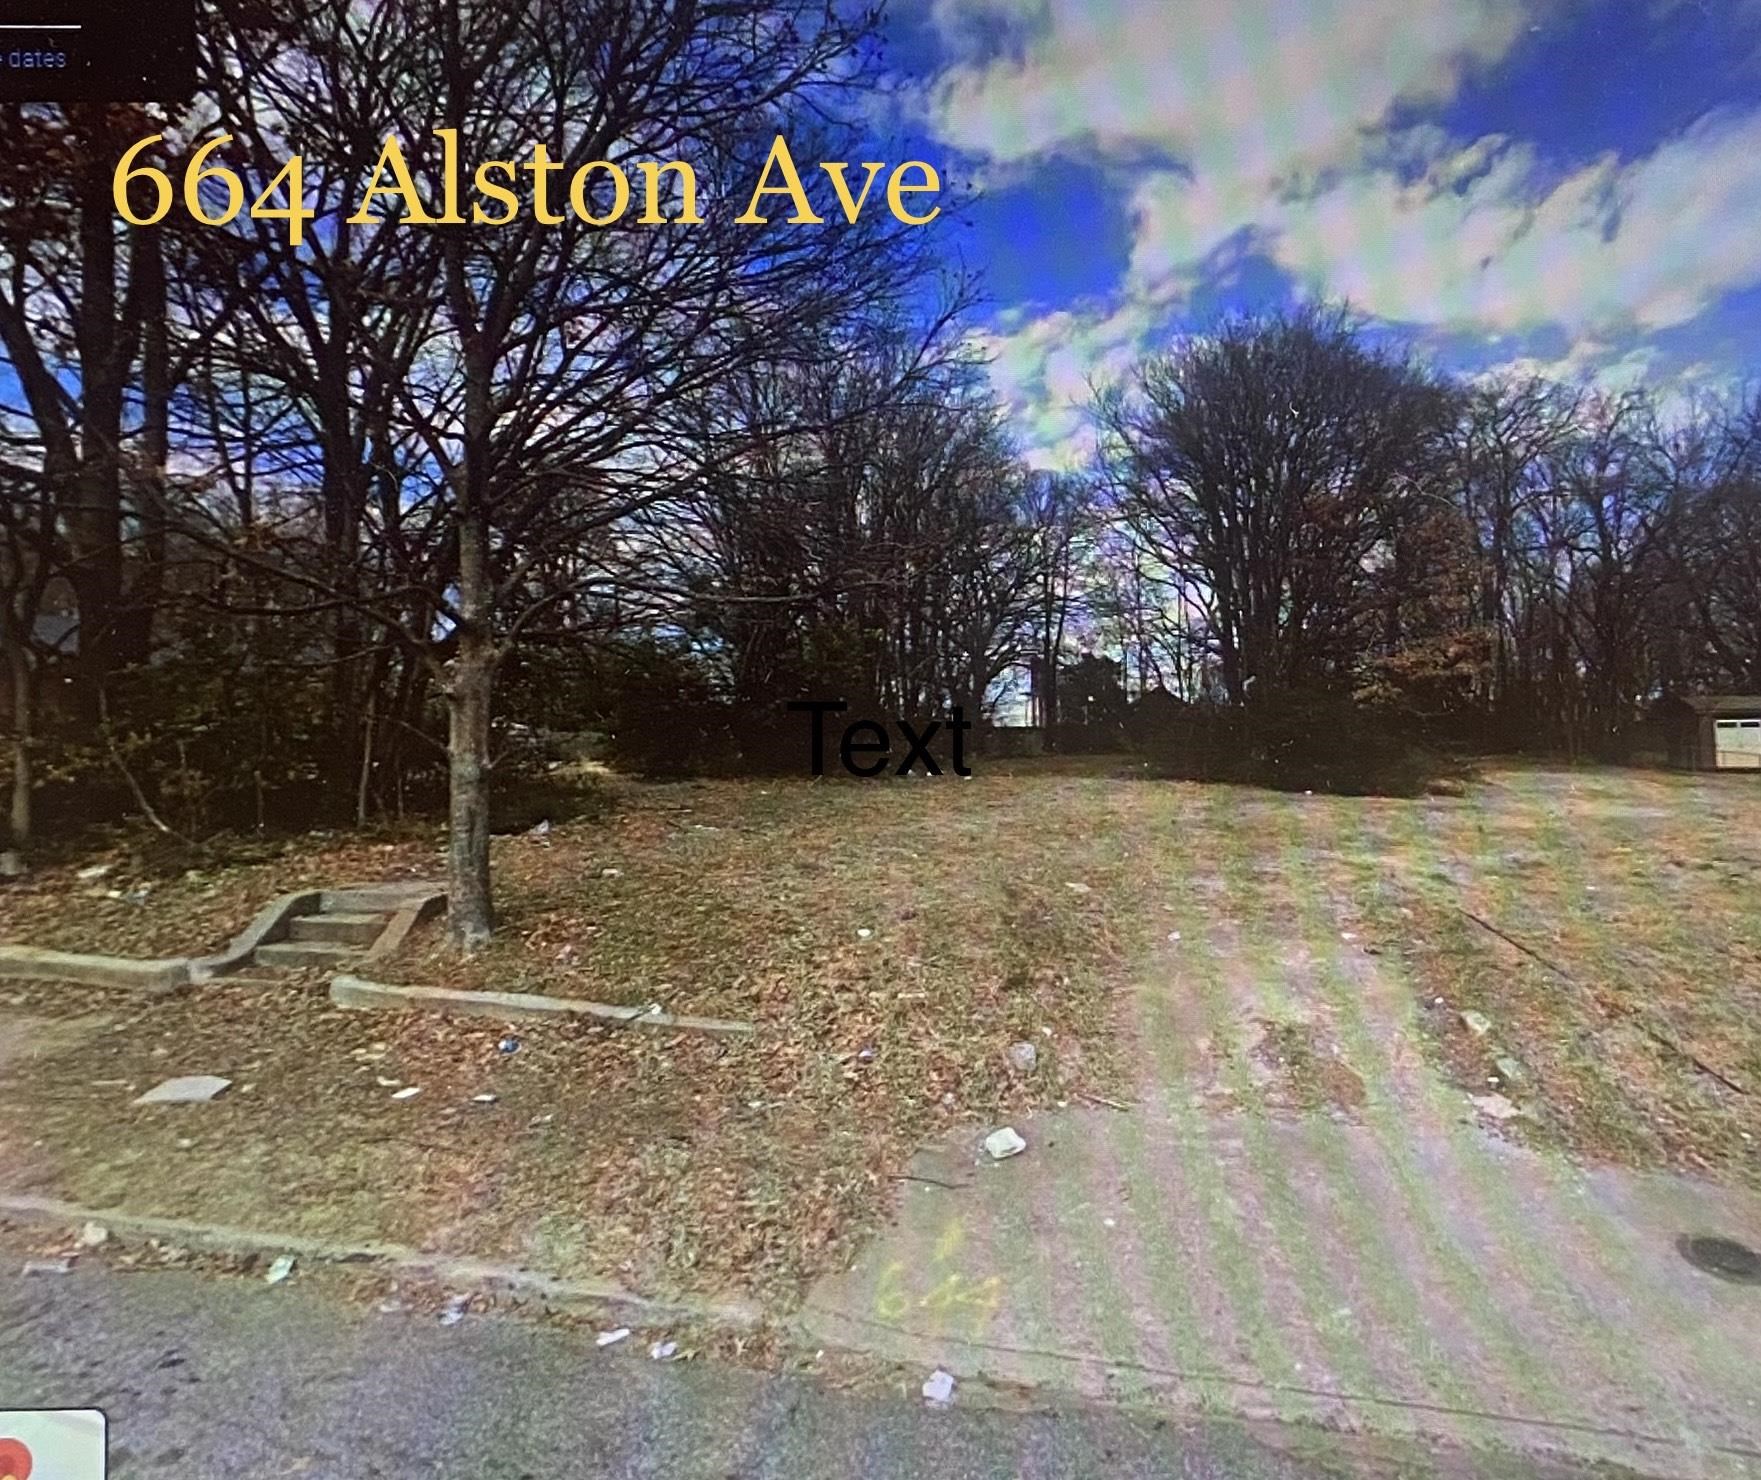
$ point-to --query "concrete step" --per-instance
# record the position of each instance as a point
(302, 955)
(382, 897)
(350, 928)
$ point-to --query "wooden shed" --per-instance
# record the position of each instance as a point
(1712, 732)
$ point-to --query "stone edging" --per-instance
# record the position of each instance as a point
(405, 919)
(352, 991)
(163, 976)
(220, 1238)
(153, 978)
(269, 925)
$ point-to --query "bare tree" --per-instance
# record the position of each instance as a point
(1268, 469)
(501, 394)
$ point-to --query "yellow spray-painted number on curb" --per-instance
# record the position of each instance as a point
(890, 1299)
(951, 1296)
(948, 1245)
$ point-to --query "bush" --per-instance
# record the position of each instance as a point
(665, 718)
(1295, 740)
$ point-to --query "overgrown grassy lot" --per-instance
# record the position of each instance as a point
(889, 941)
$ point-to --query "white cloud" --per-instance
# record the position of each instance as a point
(1244, 89)
(1043, 365)
(1265, 125)
(1482, 242)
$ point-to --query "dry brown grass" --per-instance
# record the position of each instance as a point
(669, 1162)
(1635, 983)
(681, 1162)
(1635, 902)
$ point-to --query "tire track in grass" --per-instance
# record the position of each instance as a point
(1493, 1226)
(1112, 1278)
(1607, 1249)
(1336, 1180)
(1406, 1239)
(1169, 1273)
(1253, 1233)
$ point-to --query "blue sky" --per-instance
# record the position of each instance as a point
(1566, 186)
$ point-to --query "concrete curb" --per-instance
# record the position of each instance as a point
(352, 991)
(151, 978)
(270, 924)
(219, 1238)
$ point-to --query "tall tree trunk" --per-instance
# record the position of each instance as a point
(94, 518)
(20, 824)
(470, 686)
(470, 690)
(470, 682)
(134, 640)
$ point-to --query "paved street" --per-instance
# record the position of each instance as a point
(204, 1376)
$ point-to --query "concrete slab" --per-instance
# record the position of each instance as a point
(352, 991)
(1389, 1266)
(185, 1089)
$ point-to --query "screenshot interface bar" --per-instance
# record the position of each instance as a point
(68, 51)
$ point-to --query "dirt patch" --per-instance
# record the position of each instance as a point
(31, 1039)
(1302, 1071)
(1636, 1071)
(1606, 930)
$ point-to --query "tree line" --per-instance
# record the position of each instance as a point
(332, 530)
(1529, 561)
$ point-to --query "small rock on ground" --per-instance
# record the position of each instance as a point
(1003, 1143)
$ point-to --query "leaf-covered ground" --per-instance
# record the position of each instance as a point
(135, 897)
(889, 941)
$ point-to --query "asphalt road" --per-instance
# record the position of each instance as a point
(212, 1377)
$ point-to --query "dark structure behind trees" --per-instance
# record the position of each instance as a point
(1711, 732)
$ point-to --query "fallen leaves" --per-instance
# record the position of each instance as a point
(588, 1151)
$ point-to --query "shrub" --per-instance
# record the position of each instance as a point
(665, 717)
(1294, 740)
